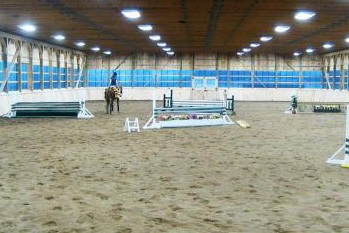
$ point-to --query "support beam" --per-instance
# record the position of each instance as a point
(81, 70)
(50, 64)
(276, 69)
(8, 68)
(58, 55)
(19, 68)
(72, 71)
(342, 72)
(253, 70)
(66, 69)
(300, 74)
(30, 68)
(41, 52)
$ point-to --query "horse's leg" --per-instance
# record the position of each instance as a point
(107, 107)
(111, 105)
(117, 102)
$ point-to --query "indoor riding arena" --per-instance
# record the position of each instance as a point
(174, 116)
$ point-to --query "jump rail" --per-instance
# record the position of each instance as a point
(189, 115)
(169, 102)
(48, 109)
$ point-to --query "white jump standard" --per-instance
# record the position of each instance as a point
(338, 158)
(191, 115)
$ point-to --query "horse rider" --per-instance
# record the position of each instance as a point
(113, 79)
(114, 82)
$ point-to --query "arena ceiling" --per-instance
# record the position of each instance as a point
(222, 26)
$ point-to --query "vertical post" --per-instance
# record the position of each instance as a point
(342, 74)
(192, 69)
(133, 67)
(76, 82)
(217, 66)
(4, 48)
(275, 70)
(72, 70)
(334, 71)
(19, 67)
(66, 69)
(41, 51)
(253, 73)
(228, 70)
(156, 70)
(300, 72)
(50, 67)
(58, 55)
(181, 70)
(346, 144)
(171, 100)
(232, 104)
(30, 67)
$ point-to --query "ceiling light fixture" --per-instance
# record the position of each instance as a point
(145, 27)
(310, 50)
(304, 15)
(327, 46)
(131, 13)
(59, 37)
(95, 49)
(27, 27)
(347, 39)
(80, 44)
(281, 28)
(266, 38)
(167, 49)
(107, 52)
(162, 44)
(170, 53)
(155, 37)
(296, 54)
(246, 50)
(240, 53)
(254, 45)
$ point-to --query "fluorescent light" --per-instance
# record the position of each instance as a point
(266, 38)
(296, 54)
(246, 50)
(107, 52)
(80, 44)
(282, 28)
(161, 44)
(59, 37)
(254, 45)
(240, 53)
(170, 53)
(95, 49)
(327, 46)
(167, 49)
(155, 37)
(347, 39)
(27, 27)
(131, 13)
(304, 15)
(145, 27)
(310, 50)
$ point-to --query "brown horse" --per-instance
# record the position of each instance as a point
(111, 94)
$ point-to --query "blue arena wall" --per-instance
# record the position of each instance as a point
(226, 79)
(173, 78)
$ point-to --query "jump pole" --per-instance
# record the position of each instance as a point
(334, 159)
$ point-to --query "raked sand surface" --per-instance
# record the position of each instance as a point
(70, 175)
